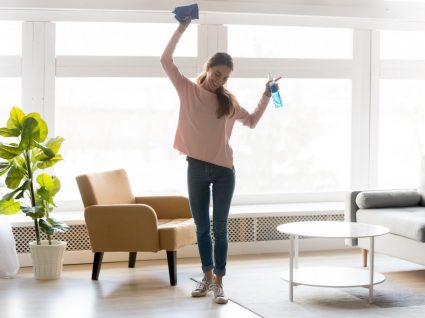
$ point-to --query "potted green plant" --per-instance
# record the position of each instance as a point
(32, 191)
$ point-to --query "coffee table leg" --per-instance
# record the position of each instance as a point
(296, 250)
(291, 268)
(371, 268)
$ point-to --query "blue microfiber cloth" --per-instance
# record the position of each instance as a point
(183, 13)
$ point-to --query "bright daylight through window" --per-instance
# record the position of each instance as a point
(401, 109)
(10, 87)
(130, 122)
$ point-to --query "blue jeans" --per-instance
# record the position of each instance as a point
(200, 175)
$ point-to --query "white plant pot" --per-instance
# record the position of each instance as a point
(47, 259)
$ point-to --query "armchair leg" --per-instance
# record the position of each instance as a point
(132, 259)
(364, 254)
(97, 263)
(172, 266)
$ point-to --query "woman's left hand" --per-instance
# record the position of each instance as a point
(267, 91)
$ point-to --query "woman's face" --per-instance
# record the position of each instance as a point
(216, 77)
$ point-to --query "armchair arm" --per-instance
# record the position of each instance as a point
(350, 206)
(122, 228)
(350, 213)
(167, 207)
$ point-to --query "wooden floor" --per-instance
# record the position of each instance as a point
(145, 291)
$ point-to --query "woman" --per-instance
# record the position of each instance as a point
(208, 112)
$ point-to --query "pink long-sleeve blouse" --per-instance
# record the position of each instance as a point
(200, 134)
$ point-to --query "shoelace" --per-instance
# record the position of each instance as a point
(204, 284)
(217, 290)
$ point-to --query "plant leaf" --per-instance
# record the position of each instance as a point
(36, 212)
(55, 144)
(6, 132)
(47, 152)
(29, 133)
(20, 163)
(14, 177)
(45, 227)
(9, 207)
(4, 167)
(50, 162)
(45, 180)
(49, 186)
(17, 193)
(41, 131)
(16, 118)
(21, 194)
(44, 195)
(10, 195)
(9, 152)
(51, 183)
(51, 226)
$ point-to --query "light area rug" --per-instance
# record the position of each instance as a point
(260, 290)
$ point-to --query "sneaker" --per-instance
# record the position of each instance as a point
(202, 288)
(219, 297)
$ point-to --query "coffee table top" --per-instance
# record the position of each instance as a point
(332, 229)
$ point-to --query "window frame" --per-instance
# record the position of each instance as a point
(364, 69)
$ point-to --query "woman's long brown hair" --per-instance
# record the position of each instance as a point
(226, 100)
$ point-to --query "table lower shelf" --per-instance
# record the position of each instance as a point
(333, 277)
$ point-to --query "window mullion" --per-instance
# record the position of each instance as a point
(374, 109)
(360, 122)
(38, 69)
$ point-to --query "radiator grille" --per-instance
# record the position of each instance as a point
(244, 229)
(241, 230)
(266, 226)
(77, 238)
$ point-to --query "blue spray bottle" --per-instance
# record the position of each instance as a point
(275, 93)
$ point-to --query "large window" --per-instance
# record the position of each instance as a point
(120, 39)
(302, 147)
(401, 109)
(402, 45)
(352, 118)
(120, 121)
(11, 38)
(129, 122)
(10, 52)
(10, 96)
(401, 132)
(305, 146)
(289, 42)
(111, 123)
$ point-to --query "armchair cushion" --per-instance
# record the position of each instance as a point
(387, 198)
(176, 233)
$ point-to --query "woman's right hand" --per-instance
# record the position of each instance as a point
(183, 25)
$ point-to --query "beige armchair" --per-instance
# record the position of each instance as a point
(117, 221)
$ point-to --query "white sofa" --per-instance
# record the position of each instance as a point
(402, 211)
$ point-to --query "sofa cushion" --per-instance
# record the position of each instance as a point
(406, 221)
(387, 198)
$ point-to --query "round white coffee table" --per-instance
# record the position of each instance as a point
(331, 276)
